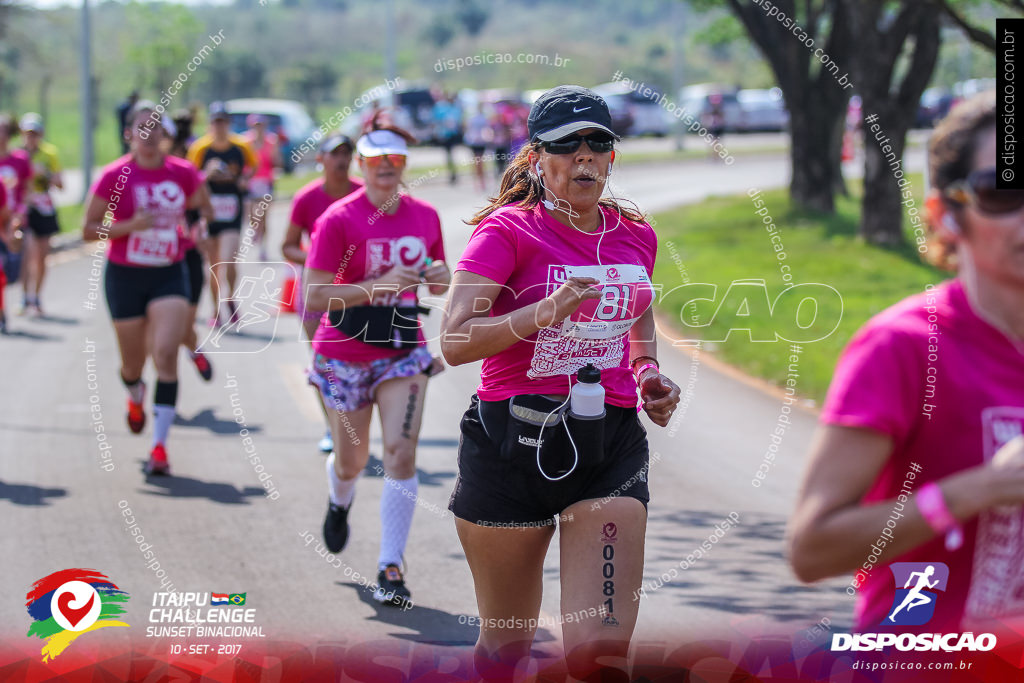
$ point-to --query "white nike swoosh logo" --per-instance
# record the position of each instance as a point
(577, 111)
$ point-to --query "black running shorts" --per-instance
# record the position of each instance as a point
(492, 491)
(41, 224)
(194, 267)
(130, 288)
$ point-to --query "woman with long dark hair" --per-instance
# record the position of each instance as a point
(554, 294)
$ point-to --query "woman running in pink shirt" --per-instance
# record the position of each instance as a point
(554, 294)
(919, 457)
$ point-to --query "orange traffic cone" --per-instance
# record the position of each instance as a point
(288, 293)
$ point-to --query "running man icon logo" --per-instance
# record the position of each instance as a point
(917, 586)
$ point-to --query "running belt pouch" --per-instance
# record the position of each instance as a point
(588, 435)
(378, 325)
(528, 416)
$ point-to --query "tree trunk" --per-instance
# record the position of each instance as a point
(889, 105)
(814, 98)
(816, 127)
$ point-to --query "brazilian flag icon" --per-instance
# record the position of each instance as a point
(237, 598)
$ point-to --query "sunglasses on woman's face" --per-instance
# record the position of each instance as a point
(599, 143)
(396, 160)
(979, 190)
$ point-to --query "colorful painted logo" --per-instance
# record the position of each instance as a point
(917, 586)
(68, 603)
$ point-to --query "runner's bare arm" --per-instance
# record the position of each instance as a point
(643, 342)
(93, 226)
(469, 334)
(832, 532)
(200, 200)
(291, 247)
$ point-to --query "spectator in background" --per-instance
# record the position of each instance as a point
(714, 121)
(41, 215)
(122, 118)
(477, 137)
(501, 139)
(447, 120)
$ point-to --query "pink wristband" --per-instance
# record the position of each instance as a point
(933, 507)
(643, 367)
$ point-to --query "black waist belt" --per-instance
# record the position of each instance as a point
(392, 327)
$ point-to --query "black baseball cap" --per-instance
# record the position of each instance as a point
(566, 109)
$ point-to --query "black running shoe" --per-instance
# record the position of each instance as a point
(336, 527)
(391, 588)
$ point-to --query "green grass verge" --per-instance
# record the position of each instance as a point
(723, 240)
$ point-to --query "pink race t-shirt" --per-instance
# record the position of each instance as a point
(15, 172)
(356, 241)
(311, 201)
(948, 388)
(163, 192)
(532, 254)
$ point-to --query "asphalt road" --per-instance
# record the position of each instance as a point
(211, 527)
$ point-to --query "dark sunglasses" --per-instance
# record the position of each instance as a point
(979, 190)
(599, 143)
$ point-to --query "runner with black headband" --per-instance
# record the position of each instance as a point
(370, 252)
(554, 292)
(919, 458)
(335, 155)
(138, 203)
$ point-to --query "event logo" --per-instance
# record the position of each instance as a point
(914, 603)
(609, 533)
(69, 603)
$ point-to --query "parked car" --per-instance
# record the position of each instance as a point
(696, 99)
(411, 108)
(649, 117)
(762, 110)
(287, 118)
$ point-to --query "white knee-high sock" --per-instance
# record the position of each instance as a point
(397, 503)
(340, 490)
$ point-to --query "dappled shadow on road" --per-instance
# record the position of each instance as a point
(60, 320)
(206, 419)
(375, 468)
(432, 626)
(29, 494)
(18, 333)
(185, 487)
(742, 571)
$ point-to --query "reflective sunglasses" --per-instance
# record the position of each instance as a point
(397, 160)
(979, 190)
(599, 143)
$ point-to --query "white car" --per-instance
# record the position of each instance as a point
(287, 118)
(762, 110)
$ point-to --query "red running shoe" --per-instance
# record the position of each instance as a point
(158, 464)
(136, 417)
(203, 366)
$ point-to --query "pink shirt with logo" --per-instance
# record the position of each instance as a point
(356, 241)
(948, 387)
(163, 192)
(15, 173)
(311, 201)
(532, 254)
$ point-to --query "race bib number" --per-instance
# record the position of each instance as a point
(596, 332)
(153, 247)
(225, 207)
(997, 585)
